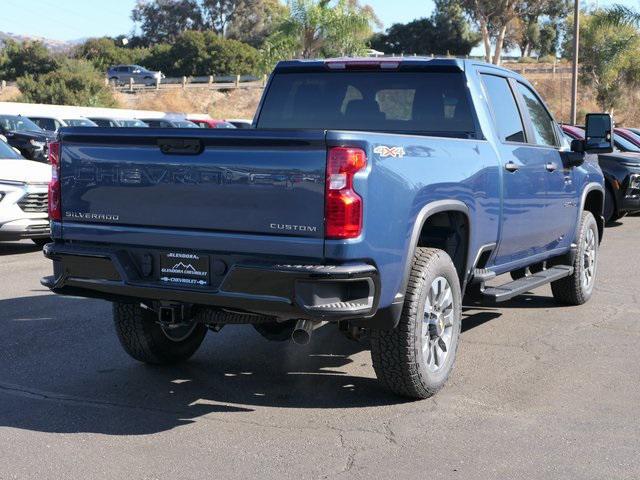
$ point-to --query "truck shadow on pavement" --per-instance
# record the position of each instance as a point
(64, 372)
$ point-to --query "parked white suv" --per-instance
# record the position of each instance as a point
(23, 197)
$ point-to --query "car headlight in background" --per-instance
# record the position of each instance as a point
(634, 181)
(37, 143)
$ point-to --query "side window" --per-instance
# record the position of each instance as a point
(505, 109)
(542, 123)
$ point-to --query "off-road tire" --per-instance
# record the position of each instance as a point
(142, 337)
(570, 290)
(397, 354)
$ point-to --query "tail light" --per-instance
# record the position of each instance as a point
(55, 210)
(343, 206)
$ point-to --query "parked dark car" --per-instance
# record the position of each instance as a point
(628, 135)
(124, 73)
(52, 123)
(106, 122)
(169, 123)
(26, 136)
(621, 170)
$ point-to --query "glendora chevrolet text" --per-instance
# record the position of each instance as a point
(373, 194)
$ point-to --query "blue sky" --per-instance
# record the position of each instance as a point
(73, 19)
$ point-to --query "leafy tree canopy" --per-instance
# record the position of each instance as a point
(18, 59)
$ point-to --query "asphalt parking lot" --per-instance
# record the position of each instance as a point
(539, 391)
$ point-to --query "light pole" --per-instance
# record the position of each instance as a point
(574, 77)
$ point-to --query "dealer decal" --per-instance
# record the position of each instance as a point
(384, 151)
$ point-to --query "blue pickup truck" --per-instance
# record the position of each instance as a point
(369, 194)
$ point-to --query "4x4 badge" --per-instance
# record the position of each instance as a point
(384, 151)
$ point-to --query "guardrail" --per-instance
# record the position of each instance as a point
(212, 82)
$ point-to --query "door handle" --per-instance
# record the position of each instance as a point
(180, 146)
(551, 167)
(511, 166)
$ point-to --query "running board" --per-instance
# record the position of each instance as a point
(509, 290)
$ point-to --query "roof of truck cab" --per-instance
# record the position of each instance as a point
(340, 63)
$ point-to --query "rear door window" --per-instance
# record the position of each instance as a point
(426, 103)
(505, 110)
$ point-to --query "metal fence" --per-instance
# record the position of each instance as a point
(212, 82)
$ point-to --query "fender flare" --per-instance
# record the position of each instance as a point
(590, 187)
(425, 212)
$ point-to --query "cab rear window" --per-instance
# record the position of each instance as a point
(435, 103)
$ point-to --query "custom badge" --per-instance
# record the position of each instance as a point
(384, 151)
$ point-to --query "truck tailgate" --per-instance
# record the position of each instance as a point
(236, 181)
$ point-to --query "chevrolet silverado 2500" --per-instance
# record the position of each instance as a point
(370, 194)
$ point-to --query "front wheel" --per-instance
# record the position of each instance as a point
(577, 288)
(144, 339)
(416, 358)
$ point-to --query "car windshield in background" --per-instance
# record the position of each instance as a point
(7, 153)
(624, 144)
(184, 124)
(80, 122)
(18, 124)
(132, 123)
(401, 102)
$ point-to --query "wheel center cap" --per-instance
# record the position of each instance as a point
(439, 324)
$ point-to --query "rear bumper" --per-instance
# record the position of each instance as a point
(317, 292)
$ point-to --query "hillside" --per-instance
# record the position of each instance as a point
(53, 45)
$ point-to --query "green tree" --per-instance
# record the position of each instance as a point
(493, 19)
(316, 28)
(255, 20)
(75, 82)
(452, 31)
(104, 53)
(447, 31)
(548, 41)
(163, 20)
(202, 53)
(190, 54)
(26, 58)
(610, 53)
(530, 25)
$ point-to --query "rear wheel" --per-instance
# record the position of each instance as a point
(577, 288)
(144, 339)
(416, 358)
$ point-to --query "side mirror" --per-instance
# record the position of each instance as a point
(598, 133)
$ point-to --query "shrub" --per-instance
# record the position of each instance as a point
(24, 58)
(76, 82)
